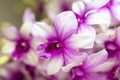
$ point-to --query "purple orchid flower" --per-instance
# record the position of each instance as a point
(21, 42)
(90, 17)
(111, 5)
(25, 72)
(93, 66)
(61, 42)
(112, 45)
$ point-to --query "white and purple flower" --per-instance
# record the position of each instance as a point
(61, 43)
(93, 67)
(112, 45)
(20, 43)
(91, 16)
(112, 6)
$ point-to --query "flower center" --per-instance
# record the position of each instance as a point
(22, 46)
(111, 47)
(53, 46)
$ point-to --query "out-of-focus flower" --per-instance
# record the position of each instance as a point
(93, 66)
(88, 16)
(20, 42)
(25, 72)
(59, 43)
(60, 6)
(112, 45)
(3, 59)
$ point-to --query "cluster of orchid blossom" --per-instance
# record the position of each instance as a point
(82, 44)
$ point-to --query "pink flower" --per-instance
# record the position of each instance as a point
(21, 43)
(112, 6)
(112, 45)
(89, 15)
(93, 67)
(61, 42)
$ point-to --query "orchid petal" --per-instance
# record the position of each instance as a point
(101, 18)
(78, 7)
(83, 39)
(10, 33)
(104, 67)
(65, 23)
(28, 16)
(25, 29)
(95, 59)
(8, 48)
(72, 59)
(36, 41)
(117, 35)
(116, 11)
(31, 58)
(54, 65)
(41, 29)
(101, 37)
(97, 3)
(28, 21)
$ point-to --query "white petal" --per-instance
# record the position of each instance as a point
(28, 21)
(101, 37)
(95, 59)
(41, 29)
(54, 65)
(78, 7)
(10, 33)
(31, 58)
(83, 39)
(28, 16)
(25, 29)
(101, 18)
(8, 48)
(104, 67)
(116, 11)
(72, 59)
(97, 3)
(65, 23)
(36, 41)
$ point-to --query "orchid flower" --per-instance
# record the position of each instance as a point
(61, 43)
(25, 72)
(111, 5)
(112, 45)
(92, 67)
(21, 43)
(91, 16)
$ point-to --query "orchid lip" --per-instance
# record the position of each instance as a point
(111, 47)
